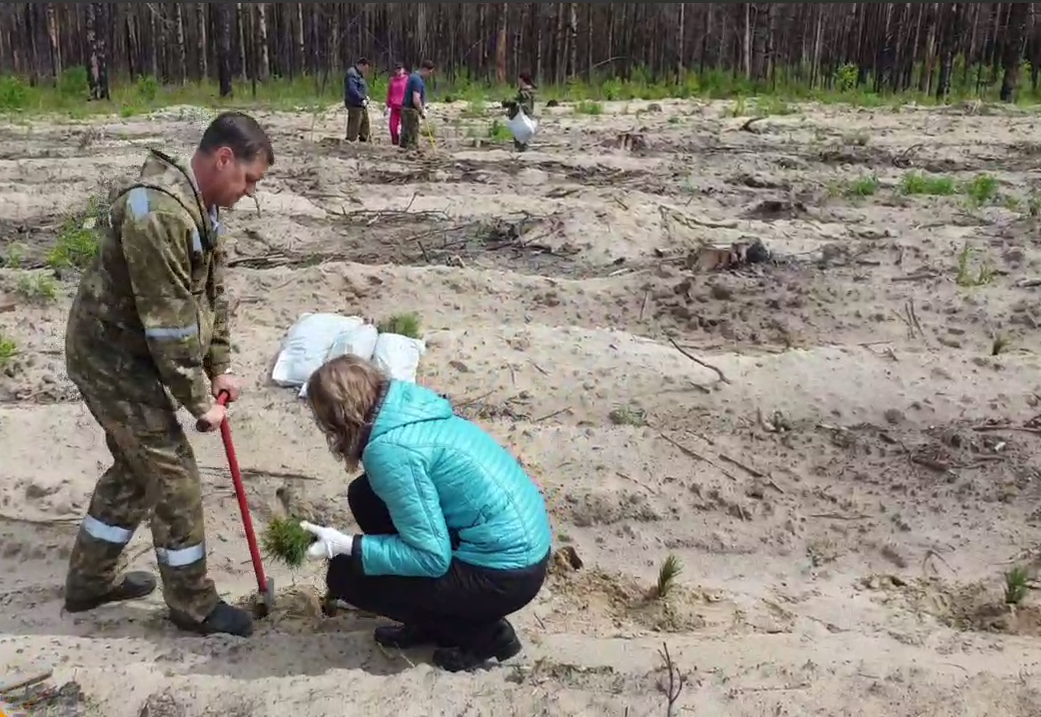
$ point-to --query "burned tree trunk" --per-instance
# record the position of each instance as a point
(55, 39)
(224, 47)
(951, 19)
(97, 36)
(1015, 44)
(500, 44)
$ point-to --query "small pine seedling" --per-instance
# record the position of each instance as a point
(1016, 585)
(286, 541)
(667, 574)
(401, 324)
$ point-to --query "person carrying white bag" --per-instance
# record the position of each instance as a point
(521, 110)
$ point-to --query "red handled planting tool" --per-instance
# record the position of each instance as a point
(265, 586)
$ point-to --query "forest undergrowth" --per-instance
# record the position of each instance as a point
(68, 95)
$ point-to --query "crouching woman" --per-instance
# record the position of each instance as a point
(455, 534)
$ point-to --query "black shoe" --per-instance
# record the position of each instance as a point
(133, 586)
(502, 646)
(405, 637)
(223, 619)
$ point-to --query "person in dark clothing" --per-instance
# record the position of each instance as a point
(455, 536)
(524, 101)
(356, 99)
(414, 105)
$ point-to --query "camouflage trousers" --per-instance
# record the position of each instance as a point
(409, 128)
(153, 471)
(358, 124)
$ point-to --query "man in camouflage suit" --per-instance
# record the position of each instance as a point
(523, 102)
(148, 331)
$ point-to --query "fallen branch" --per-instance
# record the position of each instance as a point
(696, 456)
(1020, 429)
(747, 126)
(750, 471)
(699, 362)
(260, 473)
(26, 682)
(64, 519)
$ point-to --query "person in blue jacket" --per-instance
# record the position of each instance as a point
(455, 535)
(356, 100)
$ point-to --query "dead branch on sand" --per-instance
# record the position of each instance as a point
(26, 682)
(672, 685)
(257, 473)
(695, 359)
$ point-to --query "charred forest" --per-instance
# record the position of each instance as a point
(876, 47)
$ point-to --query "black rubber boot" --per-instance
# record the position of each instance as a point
(132, 586)
(502, 645)
(222, 620)
(404, 637)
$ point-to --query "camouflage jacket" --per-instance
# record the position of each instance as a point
(155, 291)
(524, 100)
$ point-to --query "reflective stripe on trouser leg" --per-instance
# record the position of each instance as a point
(116, 508)
(181, 558)
(179, 531)
(105, 532)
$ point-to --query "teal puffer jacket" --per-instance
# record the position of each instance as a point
(452, 491)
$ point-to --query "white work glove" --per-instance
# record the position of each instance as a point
(365, 102)
(330, 543)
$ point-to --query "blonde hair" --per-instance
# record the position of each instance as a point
(343, 394)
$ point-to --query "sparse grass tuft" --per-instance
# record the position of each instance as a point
(628, 416)
(966, 277)
(588, 107)
(919, 183)
(37, 287)
(77, 242)
(863, 187)
(1016, 585)
(286, 541)
(982, 189)
(670, 569)
(773, 106)
(499, 132)
(401, 324)
(8, 350)
(15, 255)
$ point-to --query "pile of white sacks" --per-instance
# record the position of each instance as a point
(317, 338)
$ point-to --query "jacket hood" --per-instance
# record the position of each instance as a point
(407, 403)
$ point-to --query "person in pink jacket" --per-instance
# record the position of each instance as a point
(395, 98)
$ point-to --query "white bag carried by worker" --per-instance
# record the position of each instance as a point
(307, 344)
(398, 356)
(359, 341)
(522, 127)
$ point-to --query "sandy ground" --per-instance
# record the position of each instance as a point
(842, 505)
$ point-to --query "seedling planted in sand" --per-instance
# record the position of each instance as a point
(8, 349)
(1016, 586)
(286, 541)
(966, 277)
(1000, 344)
(668, 572)
(401, 324)
(628, 416)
